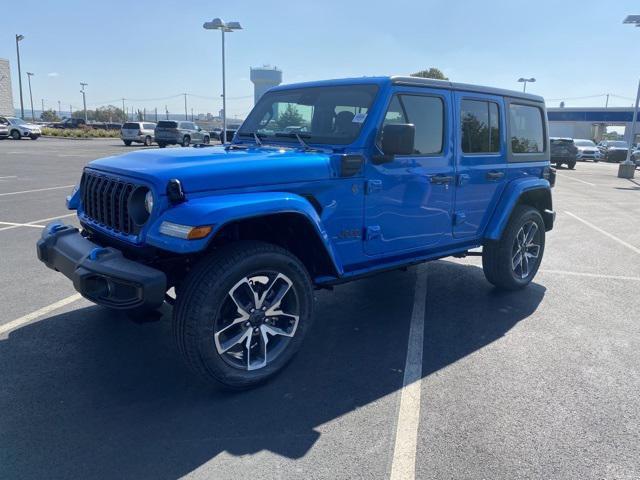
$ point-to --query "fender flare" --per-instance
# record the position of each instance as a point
(509, 199)
(220, 210)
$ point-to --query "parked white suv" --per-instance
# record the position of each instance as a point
(18, 128)
(138, 132)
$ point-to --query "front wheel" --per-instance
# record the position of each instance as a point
(127, 142)
(242, 314)
(511, 262)
(571, 165)
(162, 145)
(207, 140)
(186, 141)
(16, 135)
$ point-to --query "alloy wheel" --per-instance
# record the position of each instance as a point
(526, 249)
(257, 320)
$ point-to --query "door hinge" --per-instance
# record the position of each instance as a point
(459, 218)
(373, 232)
(373, 186)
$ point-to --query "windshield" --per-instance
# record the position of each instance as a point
(326, 115)
(16, 121)
(584, 143)
(619, 144)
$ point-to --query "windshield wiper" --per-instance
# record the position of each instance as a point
(256, 136)
(297, 136)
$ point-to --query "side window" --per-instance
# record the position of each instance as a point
(527, 131)
(480, 126)
(427, 114)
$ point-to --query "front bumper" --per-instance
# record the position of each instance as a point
(102, 275)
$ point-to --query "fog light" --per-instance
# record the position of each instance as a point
(186, 232)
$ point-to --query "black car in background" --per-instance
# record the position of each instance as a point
(614, 150)
(563, 151)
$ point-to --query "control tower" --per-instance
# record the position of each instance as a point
(263, 79)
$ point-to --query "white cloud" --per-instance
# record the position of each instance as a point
(53, 74)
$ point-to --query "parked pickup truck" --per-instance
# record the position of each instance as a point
(387, 172)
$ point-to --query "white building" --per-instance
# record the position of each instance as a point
(6, 95)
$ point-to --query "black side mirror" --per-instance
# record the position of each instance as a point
(398, 139)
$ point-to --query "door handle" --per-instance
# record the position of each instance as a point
(494, 175)
(440, 179)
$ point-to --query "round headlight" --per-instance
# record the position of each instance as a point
(148, 202)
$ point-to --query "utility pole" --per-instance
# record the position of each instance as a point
(70, 111)
(59, 109)
(156, 114)
(144, 114)
(166, 110)
(84, 100)
(192, 114)
(186, 117)
(33, 116)
(42, 100)
(18, 39)
(123, 111)
(606, 105)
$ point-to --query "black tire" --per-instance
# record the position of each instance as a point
(147, 141)
(206, 140)
(204, 303)
(571, 165)
(15, 134)
(162, 145)
(186, 140)
(34, 137)
(127, 142)
(558, 164)
(498, 256)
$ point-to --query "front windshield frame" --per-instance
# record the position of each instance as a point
(255, 122)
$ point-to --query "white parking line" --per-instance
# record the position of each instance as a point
(576, 179)
(36, 190)
(8, 176)
(18, 225)
(18, 322)
(598, 229)
(403, 466)
(21, 224)
(592, 275)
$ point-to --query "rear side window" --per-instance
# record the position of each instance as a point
(167, 124)
(527, 131)
(426, 113)
(480, 126)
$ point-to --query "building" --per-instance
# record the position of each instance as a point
(6, 95)
(591, 122)
(263, 79)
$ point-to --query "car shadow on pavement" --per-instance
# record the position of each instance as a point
(89, 394)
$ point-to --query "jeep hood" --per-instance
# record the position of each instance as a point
(214, 168)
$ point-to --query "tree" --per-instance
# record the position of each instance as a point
(431, 73)
(109, 113)
(49, 116)
(290, 117)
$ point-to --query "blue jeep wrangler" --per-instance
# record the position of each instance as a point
(324, 182)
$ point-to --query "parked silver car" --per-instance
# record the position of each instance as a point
(4, 129)
(171, 132)
(18, 128)
(138, 132)
(587, 150)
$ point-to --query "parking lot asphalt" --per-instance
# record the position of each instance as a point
(428, 373)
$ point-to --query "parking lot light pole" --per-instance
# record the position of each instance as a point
(33, 116)
(525, 80)
(84, 100)
(19, 38)
(218, 24)
(627, 168)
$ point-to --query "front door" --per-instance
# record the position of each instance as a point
(481, 161)
(409, 199)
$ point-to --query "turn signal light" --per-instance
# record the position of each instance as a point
(197, 233)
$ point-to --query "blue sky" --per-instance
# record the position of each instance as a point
(150, 49)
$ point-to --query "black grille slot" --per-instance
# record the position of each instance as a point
(105, 200)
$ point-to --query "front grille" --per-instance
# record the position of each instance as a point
(105, 200)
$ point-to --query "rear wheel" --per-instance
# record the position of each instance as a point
(162, 145)
(186, 140)
(127, 142)
(242, 314)
(147, 141)
(511, 262)
(572, 164)
(206, 140)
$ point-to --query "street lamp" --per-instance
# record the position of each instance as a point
(84, 101)
(525, 80)
(627, 168)
(218, 24)
(33, 116)
(19, 38)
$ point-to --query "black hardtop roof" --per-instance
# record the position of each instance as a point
(430, 82)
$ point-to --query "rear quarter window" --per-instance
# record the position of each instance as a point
(526, 129)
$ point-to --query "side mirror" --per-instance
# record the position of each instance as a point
(398, 139)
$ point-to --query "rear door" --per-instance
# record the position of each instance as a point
(481, 160)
